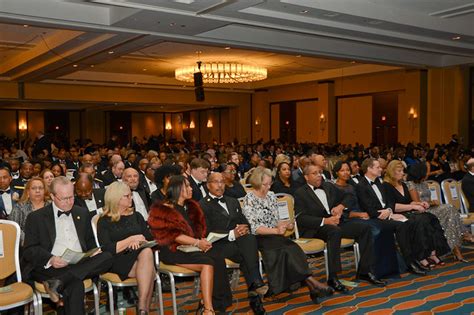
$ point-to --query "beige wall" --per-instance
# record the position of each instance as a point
(147, 124)
(307, 120)
(275, 116)
(9, 126)
(35, 122)
(74, 126)
(355, 120)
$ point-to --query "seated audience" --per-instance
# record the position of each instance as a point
(468, 184)
(233, 188)
(51, 230)
(115, 172)
(285, 263)
(447, 214)
(26, 171)
(283, 182)
(179, 220)
(320, 205)
(86, 196)
(121, 231)
(140, 200)
(430, 241)
(57, 170)
(48, 176)
(224, 215)
(384, 241)
(162, 178)
(197, 178)
(35, 196)
(9, 195)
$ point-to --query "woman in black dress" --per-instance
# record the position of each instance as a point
(428, 237)
(285, 263)
(233, 188)
(162, 178)
(384, 240)
(120, 231)
(179, 220)
(283, 182)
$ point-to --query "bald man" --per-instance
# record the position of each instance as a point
(88, 197)
(320, 160)
(468, 184)
(140, 201)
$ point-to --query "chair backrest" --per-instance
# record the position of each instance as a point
(435, 191)
(464, 201)
(9, 249)
(94, 221)
(286, 210)
(451, 192)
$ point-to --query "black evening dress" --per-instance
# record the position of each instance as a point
(279, 187)
(426, 232)
(109, 233)
(386, 262)
(236, 191)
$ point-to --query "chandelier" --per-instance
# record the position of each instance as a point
(222, 72)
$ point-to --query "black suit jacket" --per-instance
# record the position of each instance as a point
(217, 218)
(40, 234)
(144, 197)
(310, 209)
(108, 177)
(197, 194)
(467, 185)
(98, 197)
(368, 200)
(71, 166)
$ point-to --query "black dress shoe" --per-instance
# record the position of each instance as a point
(337, 285)
(413, 268)
(256, 305)
(52, 287)
(423, 267)
(315, 293)
(258, 288)
(370, 277)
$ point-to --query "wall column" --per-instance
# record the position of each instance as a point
(327, 117)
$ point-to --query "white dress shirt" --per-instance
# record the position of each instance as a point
(377, 191)
(321, 195)
(231, 236)
(201, 187)
(66, 234)
(151, 185)
(139, 205)
(7, 202)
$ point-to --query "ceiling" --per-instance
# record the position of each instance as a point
(140, 42)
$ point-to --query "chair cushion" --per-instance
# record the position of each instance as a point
(469, 220)
(40, 287)
(347, 242)
(310, 245)
(176, 269)
(114, 278)
(20, 292)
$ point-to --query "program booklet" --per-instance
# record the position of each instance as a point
(211, 238)
(73, 257)
(148, 244)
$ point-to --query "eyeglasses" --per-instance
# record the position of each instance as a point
(70, 198)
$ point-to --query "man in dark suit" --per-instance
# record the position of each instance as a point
(224, 215)
(355, 171)
(48, 233)
(41, 144)
(320, 205)
(114, 173)
(73, 163)
(467, 184)
(86, 196)
(89, 169)
(140, 199)
(373, 199)
(199, 171)
(321, 161)
(297, 175)
(26, 171)
(8, 195)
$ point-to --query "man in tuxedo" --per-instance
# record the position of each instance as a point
(114, 173)
(224, 215)
(9, 196)
(373, 199)
(73, 162)
(319, 205)
(199, 171)
(355, 171)
(89, 169)
(26, 171)
(51, 230)
(297, 175)
(140, 199)
(14, 167)
(467, 184)
(141, 171)
(149, 184)
(320, 160)
(86, 196)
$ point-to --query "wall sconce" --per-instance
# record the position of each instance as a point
(257, 121)
(412, 115)
(168, 126)
(322, 122)
(191, 125)
(22, 126)
(209, 123)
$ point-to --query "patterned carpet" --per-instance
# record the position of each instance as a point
(447, 289)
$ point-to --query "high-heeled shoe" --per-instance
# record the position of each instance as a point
(458, 256)
(435, 260)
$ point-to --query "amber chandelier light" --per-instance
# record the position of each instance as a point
(222, 72)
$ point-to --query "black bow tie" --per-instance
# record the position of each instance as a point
(4, 191)
(60, 213)
(316, 188)
(372, 183)
(221, 199)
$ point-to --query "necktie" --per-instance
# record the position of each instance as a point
(4, 191)
(60, 213)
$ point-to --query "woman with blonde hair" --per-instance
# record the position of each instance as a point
(121, 231)
(428, 238)
(35, 196)
(47, 175)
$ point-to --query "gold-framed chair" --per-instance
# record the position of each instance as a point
(468, 218)
(89, 286)
(311, 246)
(435, 191)
(452, 193)
(18, 293)
(113, 280)
(175, 271)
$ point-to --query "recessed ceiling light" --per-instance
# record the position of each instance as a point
(331, 14)
(172, 24)
(456, 37)
(75, 66)
(92, 66)
(227, 48)
(144, 69)
(374, 22)
(353, 61)
(25, 25)
(304, 11)
(298, 56)
(111, 52)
